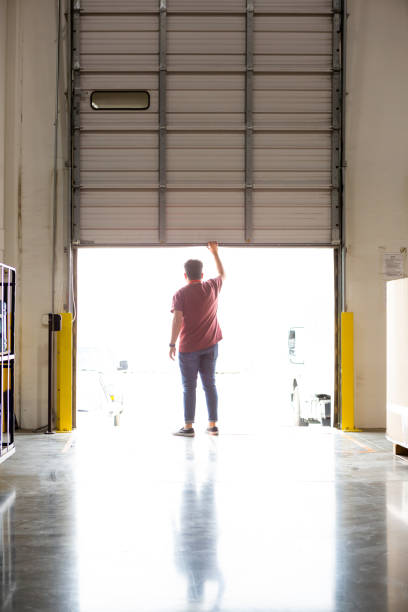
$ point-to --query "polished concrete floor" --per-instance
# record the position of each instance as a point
(128, 519)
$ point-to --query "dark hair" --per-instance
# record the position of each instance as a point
(194, 269)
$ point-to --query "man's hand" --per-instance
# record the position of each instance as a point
(175, 330)
(213, 247)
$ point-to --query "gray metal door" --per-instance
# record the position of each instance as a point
(235, 130)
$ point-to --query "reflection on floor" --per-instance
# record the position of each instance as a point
(133, 519)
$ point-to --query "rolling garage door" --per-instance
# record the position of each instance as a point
(206, 120)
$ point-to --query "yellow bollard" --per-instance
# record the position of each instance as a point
(347, 371)
(64, 374)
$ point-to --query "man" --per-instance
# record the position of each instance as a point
(195, 319)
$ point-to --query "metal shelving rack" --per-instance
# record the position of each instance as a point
(7, 359)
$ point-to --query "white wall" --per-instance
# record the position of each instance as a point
(376, 183)
(30, 111)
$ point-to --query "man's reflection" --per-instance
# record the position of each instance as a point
(362, 546)
(196, 537)
(7, 550)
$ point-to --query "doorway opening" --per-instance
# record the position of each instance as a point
(276, 360)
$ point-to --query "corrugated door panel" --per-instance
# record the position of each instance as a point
(206, 82)
(286, 179)
(129, 225)
(290, 197)
(287, 217)
(100, 160)
(289, 140)
(293, 6)
(293, 236)
(119, 6)
(205, 198)
(119, 149)
(119, 198)
(120, 237)
(207, 223)
(91, 179)
(120, 140)
(292, 159)
(128, 43)
(209, 6)
(217, 101)
(207, 218)
(102, 62)
(292, 101)
(119, 218)
(293, 112)
(119, 23)
(199, 235)
(206, 63)
(293, 121)
(91, 81)
(291, 82)
(285, 23)
(205, 145)
(292, 63)
(198, 160)
(206, 23)
(206, 121)
(210, 43)
(186, 198)
(118, 180)
(107, 122)
(204, 180)
(300, 43)
(206, 140)
(198, 105)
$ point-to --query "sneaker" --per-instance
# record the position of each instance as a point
(212, 431)
(188, 433)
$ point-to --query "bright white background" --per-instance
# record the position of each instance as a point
(124, 301)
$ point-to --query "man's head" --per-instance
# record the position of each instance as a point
(193, 269)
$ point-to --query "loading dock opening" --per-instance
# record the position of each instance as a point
(242, 139)
(124, 298)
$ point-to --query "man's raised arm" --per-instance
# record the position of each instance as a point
(213, 247)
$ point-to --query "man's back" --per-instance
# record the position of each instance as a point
(198, 302)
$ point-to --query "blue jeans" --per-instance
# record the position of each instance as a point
(190, 364)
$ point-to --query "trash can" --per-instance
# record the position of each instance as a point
(324, 407)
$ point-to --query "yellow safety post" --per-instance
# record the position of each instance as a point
(347, 371)
(64, 374)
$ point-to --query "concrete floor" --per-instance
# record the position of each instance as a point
(289, 519)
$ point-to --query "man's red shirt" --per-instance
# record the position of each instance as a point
(199, 303)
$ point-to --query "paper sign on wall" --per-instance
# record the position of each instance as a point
(393, 265)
